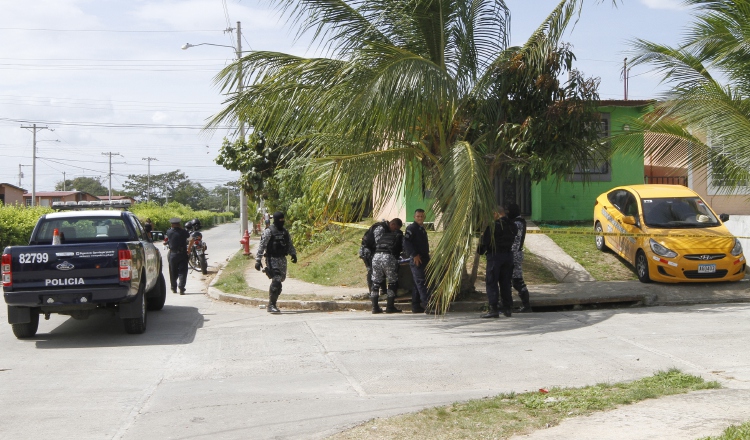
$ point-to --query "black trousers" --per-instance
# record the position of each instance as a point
(420, 296)
(499, 272)
(178, 268)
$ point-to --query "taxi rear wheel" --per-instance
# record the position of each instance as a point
(641, 267)
(599, 239)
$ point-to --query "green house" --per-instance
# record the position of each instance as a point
(572, 198)
(568, 199)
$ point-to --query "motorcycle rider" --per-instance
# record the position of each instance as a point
(388, 246)
(514, 213)
(277, 241)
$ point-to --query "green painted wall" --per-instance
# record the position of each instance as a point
(562, 200)
(415, 199)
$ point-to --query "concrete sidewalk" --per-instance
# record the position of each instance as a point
(543, 296)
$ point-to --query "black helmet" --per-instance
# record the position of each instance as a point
(193, 224)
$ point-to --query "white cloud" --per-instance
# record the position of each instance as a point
(663, 4)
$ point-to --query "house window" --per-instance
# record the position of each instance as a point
(597, 169)
(56, 199)
(28, 202)
(720, 165)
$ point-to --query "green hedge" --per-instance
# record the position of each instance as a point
(160, 215)
(17, 223)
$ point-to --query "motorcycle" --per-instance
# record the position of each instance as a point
(197, 257)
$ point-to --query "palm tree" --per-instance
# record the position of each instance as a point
(708, 102)
(422, 91)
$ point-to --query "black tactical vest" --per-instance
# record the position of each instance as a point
(279, 242)
(388, 241)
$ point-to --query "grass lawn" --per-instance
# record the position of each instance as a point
(338, 264)
(516, 414)
(741, 432)
(603, 266)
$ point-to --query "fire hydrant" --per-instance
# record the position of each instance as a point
(245, 242)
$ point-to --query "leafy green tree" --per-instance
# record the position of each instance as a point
(255, 158)
(91, 185)
(163, 186)
(708, 103)
(426, 92)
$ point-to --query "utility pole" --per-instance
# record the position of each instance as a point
(63, 180)
(148, 187)
(20, 173)
(625, 78)
(33, 128)
(243, 197)
(110, 154)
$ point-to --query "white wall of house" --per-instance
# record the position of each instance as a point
(739, 225)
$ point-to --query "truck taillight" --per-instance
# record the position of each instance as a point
(7, 273)
(125, 264)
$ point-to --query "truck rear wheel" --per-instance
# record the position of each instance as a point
(27, 330)
(158, 294)
(136, 326)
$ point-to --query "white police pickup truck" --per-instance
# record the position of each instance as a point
(79, 261)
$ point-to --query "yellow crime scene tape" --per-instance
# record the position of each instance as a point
(578, 232)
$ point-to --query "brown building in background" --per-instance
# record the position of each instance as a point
(11, 194)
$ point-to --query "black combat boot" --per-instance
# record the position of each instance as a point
(390, 308)
(375, 307)
(526, 307)
(507, 311)
(416, 308)
(494, 312)
(272, 304)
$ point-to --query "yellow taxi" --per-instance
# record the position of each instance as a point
(685, 240)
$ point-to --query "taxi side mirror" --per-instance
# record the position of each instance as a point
(629, 220)
(723, 217)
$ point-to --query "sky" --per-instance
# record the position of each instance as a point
(109, 76)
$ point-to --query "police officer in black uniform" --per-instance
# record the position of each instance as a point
(177, 241)
(417, 248)
(388, 246)
(275, 245)
(497, 243)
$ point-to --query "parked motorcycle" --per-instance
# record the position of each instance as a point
(197, 258)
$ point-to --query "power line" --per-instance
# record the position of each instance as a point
(113, 125)
(114, 31)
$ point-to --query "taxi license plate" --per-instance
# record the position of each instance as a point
(706, 268)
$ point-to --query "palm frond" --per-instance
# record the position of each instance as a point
(466, 202)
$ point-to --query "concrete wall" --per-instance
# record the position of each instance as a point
(11, 196)
(739, 225)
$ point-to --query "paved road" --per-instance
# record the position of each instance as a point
(214, 370)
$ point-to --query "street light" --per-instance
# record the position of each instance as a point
(238, 52)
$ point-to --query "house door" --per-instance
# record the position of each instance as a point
(513, 190)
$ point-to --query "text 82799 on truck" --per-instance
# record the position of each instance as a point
(79, 261)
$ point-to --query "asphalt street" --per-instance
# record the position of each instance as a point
(207, 369)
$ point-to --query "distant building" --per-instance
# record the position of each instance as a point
(106, 197)
(46, 198)
(11, 194)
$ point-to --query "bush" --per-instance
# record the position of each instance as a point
(17, 223)
(160, 215)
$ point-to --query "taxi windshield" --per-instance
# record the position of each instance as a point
(677, 212)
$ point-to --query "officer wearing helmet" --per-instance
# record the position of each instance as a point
(275, 245)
